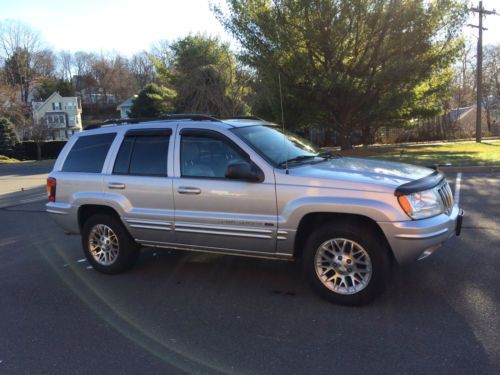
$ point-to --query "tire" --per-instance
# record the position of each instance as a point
(107, 245)
(347, 263)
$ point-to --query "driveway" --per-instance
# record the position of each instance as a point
(179, 312)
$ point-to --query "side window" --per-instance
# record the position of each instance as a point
(205, 156)
(142, 155)
(88, 153)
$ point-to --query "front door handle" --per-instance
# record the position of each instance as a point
(116, 185)
(188, 190)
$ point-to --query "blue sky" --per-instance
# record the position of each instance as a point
(126, 26)
(129, 26)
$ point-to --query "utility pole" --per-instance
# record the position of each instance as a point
(479, 80)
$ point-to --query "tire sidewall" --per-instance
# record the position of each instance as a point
(128, 250)
(372, 244)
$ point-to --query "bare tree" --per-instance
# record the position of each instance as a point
(464, 80)
(39, 133)
(142, 69)
(65, 61)
(491, 81)
(23, 56)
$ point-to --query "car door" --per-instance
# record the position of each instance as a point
(139, 184)
(216, 213)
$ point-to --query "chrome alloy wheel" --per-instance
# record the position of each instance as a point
(343, 266)
(103, 245)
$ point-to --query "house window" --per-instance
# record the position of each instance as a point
(56, 106)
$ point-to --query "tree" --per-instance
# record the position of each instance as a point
(49, 85)
(349, 65)
(24, 58)
(8, 138)
(205, 75)
(39, 132)
(142, 69)
(491, 81)
(153, 101)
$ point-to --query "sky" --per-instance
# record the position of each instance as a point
(124, 26)
(130, 26)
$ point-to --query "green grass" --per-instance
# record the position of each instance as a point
(456, 154)
(6, 159)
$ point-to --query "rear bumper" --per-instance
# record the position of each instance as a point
(65, 215)
(416, 239)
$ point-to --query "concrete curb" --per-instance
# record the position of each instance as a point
(471, 169)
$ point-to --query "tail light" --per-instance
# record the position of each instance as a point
(51, 189)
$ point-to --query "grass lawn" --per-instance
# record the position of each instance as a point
(456, 154)
(6, 159)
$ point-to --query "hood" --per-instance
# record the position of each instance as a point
(359, 173)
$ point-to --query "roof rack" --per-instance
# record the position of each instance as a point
(239, 118)
(182, 116)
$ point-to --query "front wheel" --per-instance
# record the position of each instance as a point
(346, 265)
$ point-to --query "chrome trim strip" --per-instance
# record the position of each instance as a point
(242, 253)
(150, 222)
(220, 233)
(55, 212)
(165, 228)
(222, 227)
(422, 236)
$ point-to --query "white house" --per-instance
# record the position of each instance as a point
(125, 106)
(61, 115)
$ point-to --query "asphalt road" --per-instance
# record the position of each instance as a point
(179, 312)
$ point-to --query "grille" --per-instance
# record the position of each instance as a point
(446, 197)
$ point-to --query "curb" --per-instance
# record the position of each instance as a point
(471, 169)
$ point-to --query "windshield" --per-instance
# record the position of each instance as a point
(270, 143)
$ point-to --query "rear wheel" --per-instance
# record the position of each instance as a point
(107, 245)
(346, 265)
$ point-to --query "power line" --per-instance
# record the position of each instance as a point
(479, 84)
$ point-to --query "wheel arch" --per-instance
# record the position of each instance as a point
(88, 210)
(315, 219)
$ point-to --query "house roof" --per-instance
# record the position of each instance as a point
(126, 103)
(38, 106)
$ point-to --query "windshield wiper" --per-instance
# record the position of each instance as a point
(325, 155)
(329, 155)
(296, 159)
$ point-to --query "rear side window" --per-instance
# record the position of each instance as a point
(88, 153)
(143, 155)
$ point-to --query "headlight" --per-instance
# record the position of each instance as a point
(421, 205)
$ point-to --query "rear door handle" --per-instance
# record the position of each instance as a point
(116, 185)
(188, 190)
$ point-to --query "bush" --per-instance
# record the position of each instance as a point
(8, 138)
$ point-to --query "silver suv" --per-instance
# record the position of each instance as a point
(241, 186)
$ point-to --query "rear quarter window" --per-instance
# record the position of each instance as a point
(88, 153)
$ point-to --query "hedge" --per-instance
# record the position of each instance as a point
(50, 149)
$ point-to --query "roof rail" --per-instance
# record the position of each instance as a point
(239, 118)
(181, 116)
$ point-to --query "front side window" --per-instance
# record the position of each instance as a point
(142, 155)
(278, 148)
(205, 156)
(88, 153)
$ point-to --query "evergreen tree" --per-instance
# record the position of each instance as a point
(347, 65)
(8, 138)
(153, 101)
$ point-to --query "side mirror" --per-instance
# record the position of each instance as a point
(243, 171)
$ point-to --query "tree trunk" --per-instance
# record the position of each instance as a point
(345, 140)
(488, 117)
(367, 136)
(38, 151)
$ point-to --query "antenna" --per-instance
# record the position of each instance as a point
(283, 124)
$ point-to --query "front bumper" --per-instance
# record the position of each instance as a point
(415, 239)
